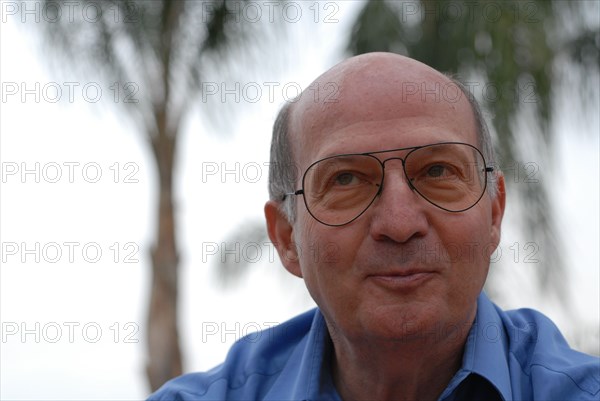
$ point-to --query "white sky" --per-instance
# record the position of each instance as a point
(111, 296)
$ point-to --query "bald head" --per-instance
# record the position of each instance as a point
(371, 86)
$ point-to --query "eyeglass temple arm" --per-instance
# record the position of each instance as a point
(298, 192)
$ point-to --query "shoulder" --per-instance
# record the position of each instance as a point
(252, 366)
(552, 369)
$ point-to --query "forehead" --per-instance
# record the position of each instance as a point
(375, 103)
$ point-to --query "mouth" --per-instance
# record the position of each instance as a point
(402, 280)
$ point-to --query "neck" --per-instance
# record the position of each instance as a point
(418, 369)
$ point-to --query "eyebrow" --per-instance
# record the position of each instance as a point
(396, 149)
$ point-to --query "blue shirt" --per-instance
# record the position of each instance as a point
(514, 355)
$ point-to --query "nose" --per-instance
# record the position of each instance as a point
(398, 213)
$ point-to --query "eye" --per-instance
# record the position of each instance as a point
(345, 179)
(437, 170)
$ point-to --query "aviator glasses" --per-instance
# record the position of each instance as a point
(339, 189)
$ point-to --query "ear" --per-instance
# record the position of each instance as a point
(281, 233)
(498, 205)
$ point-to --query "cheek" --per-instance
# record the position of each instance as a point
(326, 256)
(317, 244)
(470, 245)
(472, 231)
(320, 253)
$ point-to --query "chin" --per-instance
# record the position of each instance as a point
(403, 322)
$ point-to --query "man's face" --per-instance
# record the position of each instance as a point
(404, 268)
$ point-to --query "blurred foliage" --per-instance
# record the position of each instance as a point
(168, 49)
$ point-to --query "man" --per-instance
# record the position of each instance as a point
(391, 224)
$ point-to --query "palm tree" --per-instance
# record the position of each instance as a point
(514, 47)
(158, 52)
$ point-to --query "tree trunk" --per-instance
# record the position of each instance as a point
(163, 340)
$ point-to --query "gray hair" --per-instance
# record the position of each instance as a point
(283, 172)
(484, 139)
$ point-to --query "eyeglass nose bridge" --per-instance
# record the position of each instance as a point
(408, 180)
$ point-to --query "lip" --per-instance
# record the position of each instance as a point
(402, 281)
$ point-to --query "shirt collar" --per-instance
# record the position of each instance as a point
(486, 350)
(306, 375)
